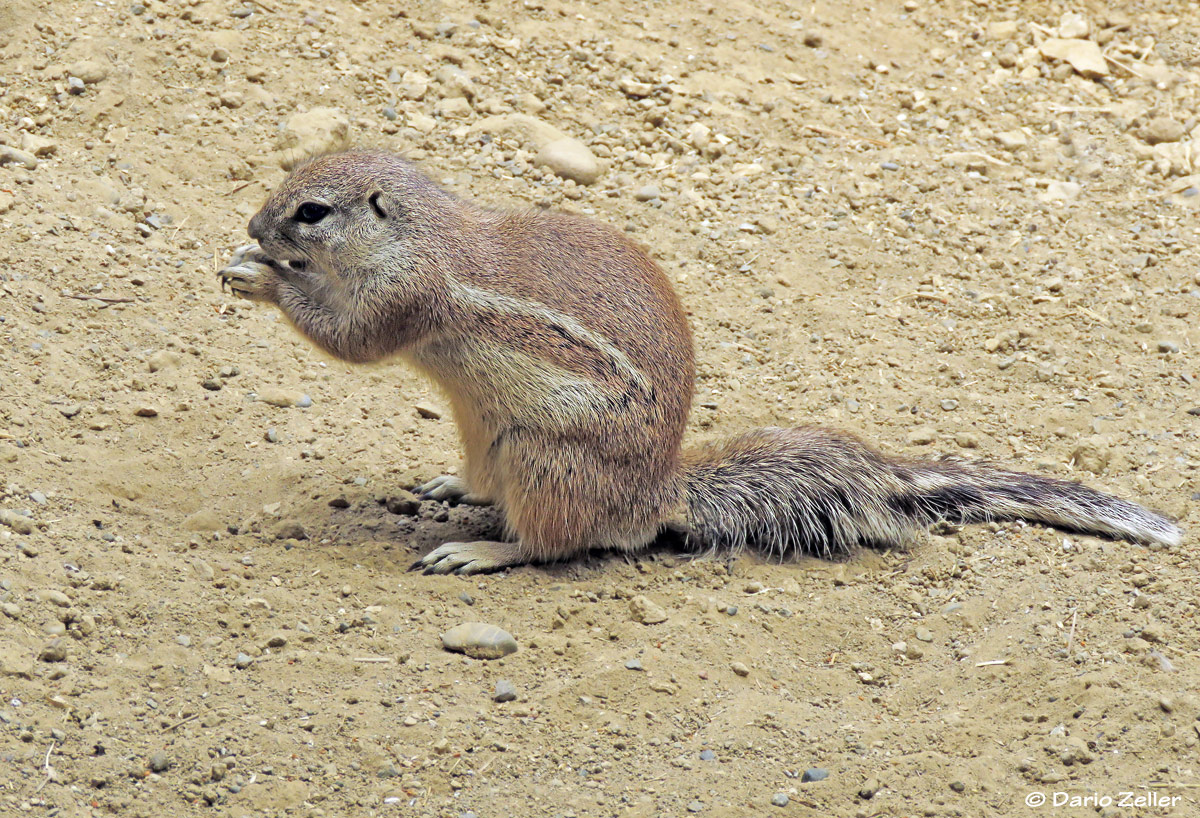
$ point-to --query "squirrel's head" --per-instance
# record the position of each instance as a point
(341, 214)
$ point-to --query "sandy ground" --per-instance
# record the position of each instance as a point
(913, 221)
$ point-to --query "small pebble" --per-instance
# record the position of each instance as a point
(570, 159)
(869, 788)
(38, 497)
(924, 634)
(289, 530)
(814, 774)
(17, 156)
(56, 651)
(1167, 347)
(18, 523)
(707, 755)
(505, 691)
(243, 661)
(740, 669)
(479, 641)
(284, 398)
(779, 799)
(58, 598)
(159, 762)
(405, 503)
(695, 806)
(646, 612)
(923, 436)
(647, 193)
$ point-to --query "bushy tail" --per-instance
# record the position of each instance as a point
(809, 490)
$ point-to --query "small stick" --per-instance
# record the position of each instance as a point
(49, 770)
(922, 296)
(263, 6)
(988, 157)
(373, 659)
(844, 135)
(1125, 67)
(1071, 638)
(82, 297)
(991, 662)
(171, 727)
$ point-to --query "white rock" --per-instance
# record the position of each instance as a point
(1012, 140)
(413, 85)
(90, 71)
(1082, 55)
(1073, 25)
(479, 640)
(38, 145)
(1061, 192)
(421, 121)
(570, 159)
(699, 135)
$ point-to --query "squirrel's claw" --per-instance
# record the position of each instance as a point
(444, 487)
(480, 557)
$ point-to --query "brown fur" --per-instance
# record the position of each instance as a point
(568, 362)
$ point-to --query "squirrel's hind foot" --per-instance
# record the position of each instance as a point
(479, 557)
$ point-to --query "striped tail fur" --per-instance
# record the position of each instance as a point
(784, 492)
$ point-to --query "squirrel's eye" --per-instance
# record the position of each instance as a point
(311, 212)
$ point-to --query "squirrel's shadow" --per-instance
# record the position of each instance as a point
(378, 534)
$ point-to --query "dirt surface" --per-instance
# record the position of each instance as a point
(914, 221)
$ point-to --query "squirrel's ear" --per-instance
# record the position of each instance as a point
(380, 204)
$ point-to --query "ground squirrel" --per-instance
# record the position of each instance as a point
(568, 363)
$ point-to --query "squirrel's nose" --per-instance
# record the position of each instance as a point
(256, 227)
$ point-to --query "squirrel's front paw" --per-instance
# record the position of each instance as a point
(251, 274)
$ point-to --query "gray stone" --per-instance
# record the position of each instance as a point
(56, 651)
(505, 691)
(10, 155)
(15, 521)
